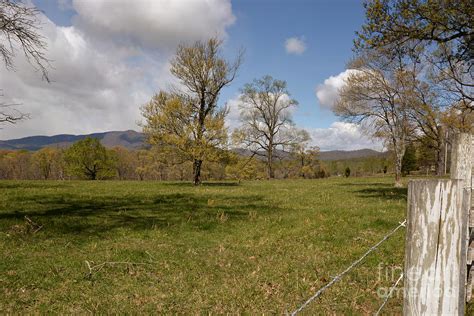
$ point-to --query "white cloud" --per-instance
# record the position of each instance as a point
(153, 23)
(99, 82)
(343, 136)
(328, 92)
(90, 90)
(232, 120)
(295, 45)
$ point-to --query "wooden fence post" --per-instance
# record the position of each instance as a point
(461, 169)
(434, 275)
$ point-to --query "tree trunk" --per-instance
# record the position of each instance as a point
(440, 162)
(440, 154)
(302, 168)
(398, 170)
(271, 172)
(399, 147)
(197, 171)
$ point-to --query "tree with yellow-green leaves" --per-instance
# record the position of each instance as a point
(458, 121)
(187, 121)
(89, 159)
(307, 158)
(171, 125)
(48, 162)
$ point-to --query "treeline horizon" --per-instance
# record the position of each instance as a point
(120, 163)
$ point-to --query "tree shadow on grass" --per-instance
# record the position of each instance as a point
(204, 184)
(92, 216)
(221, 184)
(360, 184)
(388, 193)
(378, 190)
(13, 184)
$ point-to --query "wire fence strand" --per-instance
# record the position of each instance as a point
(340, 275)
(389, 295)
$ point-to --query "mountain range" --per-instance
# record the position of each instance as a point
(128, 139)
(135, 140)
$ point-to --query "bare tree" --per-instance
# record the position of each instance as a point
(454, 75)
(19, 30)
(426, 113)
(8, 114)
(376, 95)
(267, 125)
(441, 31)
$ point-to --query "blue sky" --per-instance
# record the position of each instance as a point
(109, 54)
(328, 29)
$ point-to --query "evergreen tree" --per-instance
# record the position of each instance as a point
(409, 162)
(347, 172)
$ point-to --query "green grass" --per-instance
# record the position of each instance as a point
(257, 247)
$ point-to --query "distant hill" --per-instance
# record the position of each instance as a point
(128, 139)
(350, 154)
(135, 140)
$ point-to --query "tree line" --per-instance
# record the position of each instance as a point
(88, 159)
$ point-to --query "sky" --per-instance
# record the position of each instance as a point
(108, 57)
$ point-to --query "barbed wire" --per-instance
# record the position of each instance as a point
(389, 295)
(340, 275)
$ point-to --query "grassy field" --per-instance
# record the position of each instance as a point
(222, 247)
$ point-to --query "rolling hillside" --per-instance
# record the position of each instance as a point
(128, 139)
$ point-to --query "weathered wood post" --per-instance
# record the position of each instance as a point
(434, 277)
(461, 169)
(437, 260)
